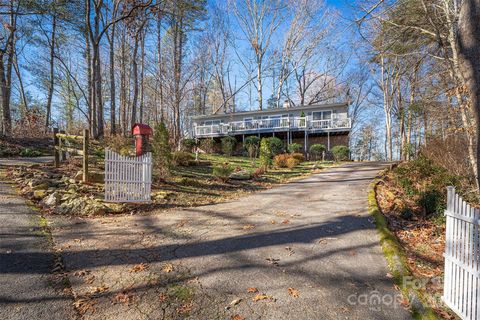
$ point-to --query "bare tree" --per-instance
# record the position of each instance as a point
(258, 20)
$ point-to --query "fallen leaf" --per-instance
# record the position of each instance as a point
(138, 267)
(81, 273)
(252, 290)
(293, 292)
(237, 317)
(389, 275)
(185, 308)
(273, 261)
(123, 297)
(167, 268)
(290, 251)
(273, 222)
(234, 303)
(285, 221)
(89, 280)
(261, 296)
(163, 296)
(248, 227)
(101, 289)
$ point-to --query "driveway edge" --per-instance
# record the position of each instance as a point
(395, 257)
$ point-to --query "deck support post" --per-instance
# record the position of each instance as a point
(305, 143)
(328, 140)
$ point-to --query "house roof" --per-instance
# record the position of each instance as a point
(271, 111)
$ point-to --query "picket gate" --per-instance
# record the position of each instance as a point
(462, 258)
(127, 179)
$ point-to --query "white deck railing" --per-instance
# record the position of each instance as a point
(261, 125)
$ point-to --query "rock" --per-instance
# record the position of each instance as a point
(52, 200)
(160, 195)
(114, 207)
(39, 194)
(43, 186)
(241, 175)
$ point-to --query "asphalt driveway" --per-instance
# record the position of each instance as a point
(304, 250)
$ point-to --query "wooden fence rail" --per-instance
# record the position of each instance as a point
(462, 258)
(61, 147)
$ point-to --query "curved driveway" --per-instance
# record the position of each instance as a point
(313, 236)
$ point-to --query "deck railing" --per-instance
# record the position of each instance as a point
(262, 125)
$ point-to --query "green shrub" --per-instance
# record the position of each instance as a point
(341, 153)
(222, 172)
(207, 145)
(28, 152)
(298, 156)
(276, 145)
(265, 154)
(316, 150)
(280, 160)
(252, 145)
(162, 153)
(228, 145)
(120, 144)
(292, 162)
(182, 158)
(294, 147)
(189, 144)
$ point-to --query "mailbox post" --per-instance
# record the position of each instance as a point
(141, 132)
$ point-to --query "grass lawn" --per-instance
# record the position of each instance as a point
(196, 185)
(186, 186)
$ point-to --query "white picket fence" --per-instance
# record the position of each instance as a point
(462, 258)
(127, 179)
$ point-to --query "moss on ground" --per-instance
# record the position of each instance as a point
(396, 260)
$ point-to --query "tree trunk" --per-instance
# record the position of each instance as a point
(113, 125)
(469, 49)
(6, 116)
(52, 72)
(135, 81)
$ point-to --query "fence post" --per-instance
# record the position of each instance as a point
(61, 146)
(450, 195)
(85, 155)
(56, 154)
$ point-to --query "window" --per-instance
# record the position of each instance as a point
(322, 115)
(212, 122)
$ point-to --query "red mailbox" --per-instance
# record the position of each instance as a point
(141, 132)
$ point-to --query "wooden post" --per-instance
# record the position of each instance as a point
(56, 154)
(85, 155)
(63, 154)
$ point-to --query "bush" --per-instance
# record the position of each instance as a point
(189, 144)
(276, 145)
(258, 172)
(265, 154)
(280, 160)
(28, 152)
(182, 158)
(228, 145)
(207, 145)
(298, 156)
(222, 172)
(292, 162)
(294, 147)
(252, 144)
(317, 150)
(162, 153)
(341, 153)
(122, 145)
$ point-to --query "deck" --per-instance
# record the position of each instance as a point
(273, 125)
